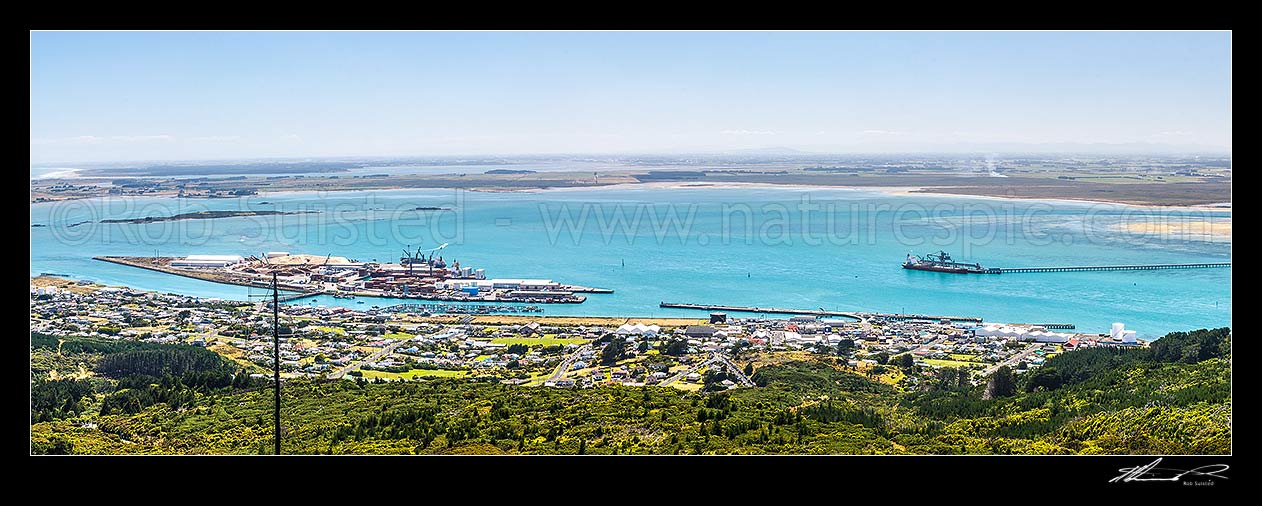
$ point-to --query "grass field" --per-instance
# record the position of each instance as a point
(538, 341)
(761, 359)
(332, 330)
(142, 330)
(537, 378)
(65, 284)
(669, 322)
(419, 373)
(949, 363)
(236, 355)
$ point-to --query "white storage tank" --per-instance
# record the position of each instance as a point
(1116, 331)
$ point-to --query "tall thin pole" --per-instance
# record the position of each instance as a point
(276, 354)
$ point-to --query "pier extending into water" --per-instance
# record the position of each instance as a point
(824, 312)
(856, 315)
(746, 309)
(927, 318)
(1209, 265)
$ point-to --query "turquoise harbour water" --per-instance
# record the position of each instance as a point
(838, 249)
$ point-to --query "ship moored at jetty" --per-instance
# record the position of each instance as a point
(942, 262)
(420, 275)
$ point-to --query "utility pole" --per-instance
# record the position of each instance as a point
(276, 354)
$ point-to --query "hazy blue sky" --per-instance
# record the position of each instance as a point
(104, 96)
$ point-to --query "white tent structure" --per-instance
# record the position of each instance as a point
(1022, 333)
(638, 329)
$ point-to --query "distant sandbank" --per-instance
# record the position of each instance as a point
(1219, 230)
(887, 190)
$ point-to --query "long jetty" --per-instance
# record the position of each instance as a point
(926, 317)
(1209, 265)
(822, 312)
(747, 309)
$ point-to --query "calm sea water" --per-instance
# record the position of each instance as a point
(798, 248)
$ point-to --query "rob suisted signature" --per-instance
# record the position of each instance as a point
(1151, 472)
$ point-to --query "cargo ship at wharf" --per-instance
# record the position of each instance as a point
(941, 262)
(417, 275)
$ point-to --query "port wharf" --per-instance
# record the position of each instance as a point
(460, 309)
(356, 280)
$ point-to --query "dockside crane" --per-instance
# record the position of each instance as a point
(409, 258)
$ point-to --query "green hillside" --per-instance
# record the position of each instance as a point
(1172, 398)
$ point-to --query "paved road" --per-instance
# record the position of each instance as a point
(371, 358)
(929, 345)
(1013, 359)
(677, 377)
(716, 358)
(565, 364)
(736, 371)
(685, 372)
